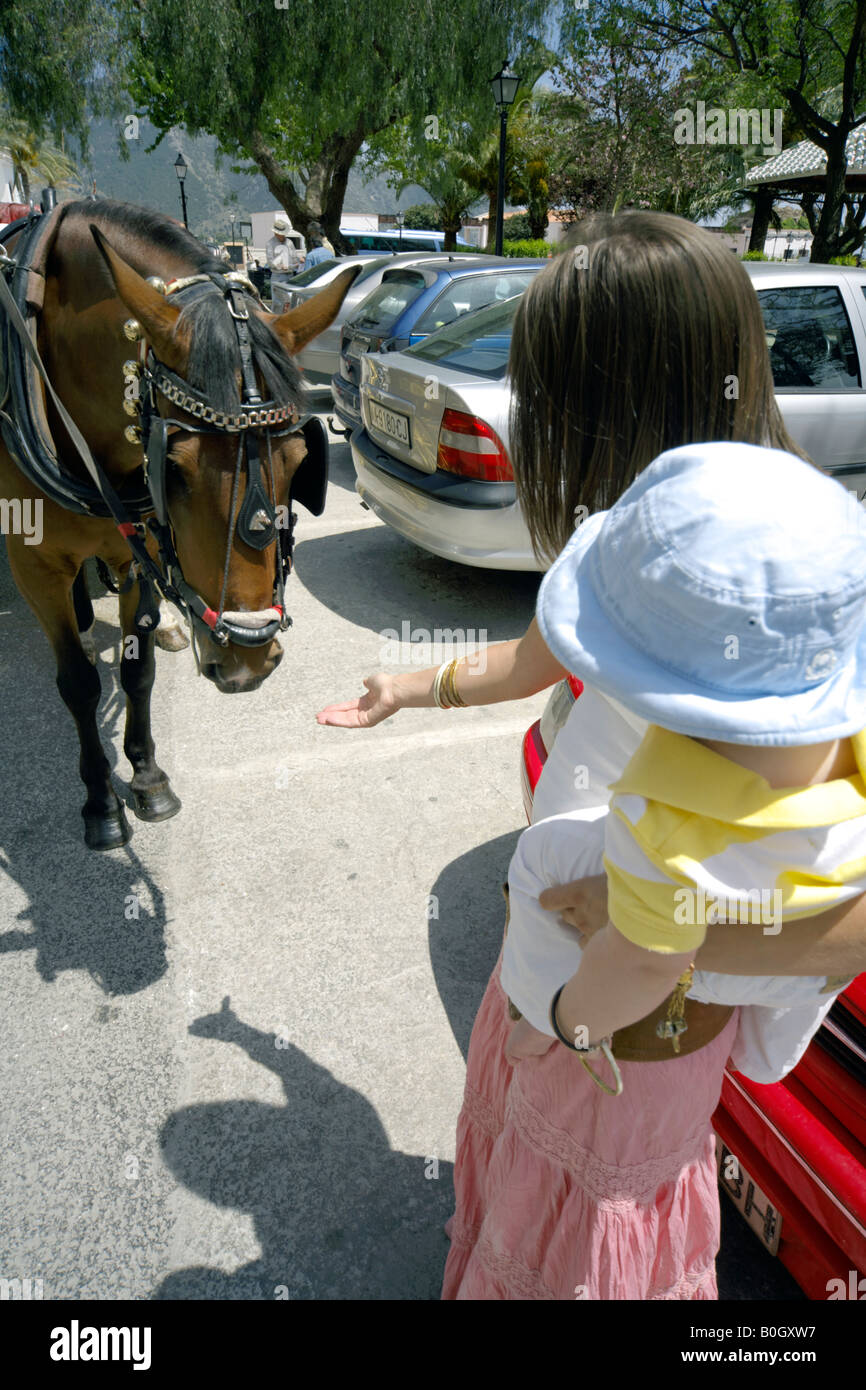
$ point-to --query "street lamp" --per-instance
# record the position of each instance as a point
(180, 170)
(245, 229)
(400, 219)
(504, 86)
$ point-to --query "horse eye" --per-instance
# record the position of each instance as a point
(176, 475)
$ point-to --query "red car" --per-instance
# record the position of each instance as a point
(792, 1156)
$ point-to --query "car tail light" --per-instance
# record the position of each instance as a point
(471, 448)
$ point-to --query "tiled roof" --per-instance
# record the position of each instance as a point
(807, 160)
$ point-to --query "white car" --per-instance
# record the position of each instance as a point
(432, 456)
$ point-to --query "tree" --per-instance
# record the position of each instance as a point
(795, 52)
(424, 217)
(613, 120)
(431, 163)
(300, 88)
(32, 154)
(61, 63)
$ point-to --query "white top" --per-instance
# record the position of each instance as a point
(282, 255)
(590, 752)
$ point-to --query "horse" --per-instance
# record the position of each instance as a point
(192, 501)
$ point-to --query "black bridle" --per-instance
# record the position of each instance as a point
(257, 523)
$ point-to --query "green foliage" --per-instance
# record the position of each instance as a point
(843, 260)
(755, 256)
(61, 62)
(517, 227)
(528, 247)
(423, 217)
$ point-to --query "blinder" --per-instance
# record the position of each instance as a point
(155, 467)
(310, 482)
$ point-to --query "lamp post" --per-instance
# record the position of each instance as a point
(180, 170)
(401, 218)
(504, 86)
(245, 229)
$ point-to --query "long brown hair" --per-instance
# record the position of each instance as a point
(644, 334)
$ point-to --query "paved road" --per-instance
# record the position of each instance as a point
(253, 1085)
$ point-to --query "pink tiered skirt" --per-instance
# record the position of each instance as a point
(564, 1192)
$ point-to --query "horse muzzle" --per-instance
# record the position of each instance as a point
(236, 671)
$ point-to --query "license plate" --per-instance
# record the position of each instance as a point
(389, 422)
(748, 1198)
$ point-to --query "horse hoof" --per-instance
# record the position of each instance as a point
(171, 639)
(107, 832)
(155, 803)
(170, 635)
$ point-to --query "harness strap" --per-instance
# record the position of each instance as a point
(131, 530)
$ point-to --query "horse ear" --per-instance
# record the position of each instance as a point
(297, 327)
(156, 314)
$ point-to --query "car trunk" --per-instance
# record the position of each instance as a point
(401, 412)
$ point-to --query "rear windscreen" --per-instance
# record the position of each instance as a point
(307, 277)
(381, 309)
(477, 343)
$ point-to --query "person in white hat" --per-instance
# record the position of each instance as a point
(282, 257)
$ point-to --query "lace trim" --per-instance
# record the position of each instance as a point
(607, 1184)
(522, 1282)
(482, 1112)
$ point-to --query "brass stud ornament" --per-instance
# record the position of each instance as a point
(133, 330)
(132, 434)
(156, 282)
(131, 368)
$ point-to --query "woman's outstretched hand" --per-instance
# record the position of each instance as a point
(379, 703)
(581, 904)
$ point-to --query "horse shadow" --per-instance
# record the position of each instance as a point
(338, 1213)
(103, 913)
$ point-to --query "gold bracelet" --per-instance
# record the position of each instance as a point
(437, 687)
(450, 683)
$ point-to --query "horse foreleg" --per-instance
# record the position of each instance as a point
(84, 615)
(47, 587)
(153, 798)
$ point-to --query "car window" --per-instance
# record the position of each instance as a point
(469, 292)
(384, 305)
(478, 343)
(307, 277)
(810, 339)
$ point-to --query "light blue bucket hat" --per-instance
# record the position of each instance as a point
(723, 596)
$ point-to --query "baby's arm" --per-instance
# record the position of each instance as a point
(616, 984)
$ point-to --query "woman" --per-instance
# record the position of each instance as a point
(644, 337)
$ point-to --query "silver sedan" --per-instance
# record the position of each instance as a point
(432, 456)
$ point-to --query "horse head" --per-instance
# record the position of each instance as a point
(226, 486)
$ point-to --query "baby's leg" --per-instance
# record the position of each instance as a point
(540, 953)
(770, 1042)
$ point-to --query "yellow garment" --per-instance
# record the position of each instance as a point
(694, 838)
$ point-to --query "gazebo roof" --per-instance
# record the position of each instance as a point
(803, 167)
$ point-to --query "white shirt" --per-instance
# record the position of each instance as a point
(281, 255)
(590, 752)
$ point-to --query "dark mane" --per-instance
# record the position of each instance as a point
(214, 356)
(148, 225)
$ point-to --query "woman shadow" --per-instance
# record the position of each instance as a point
(339, 1214)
